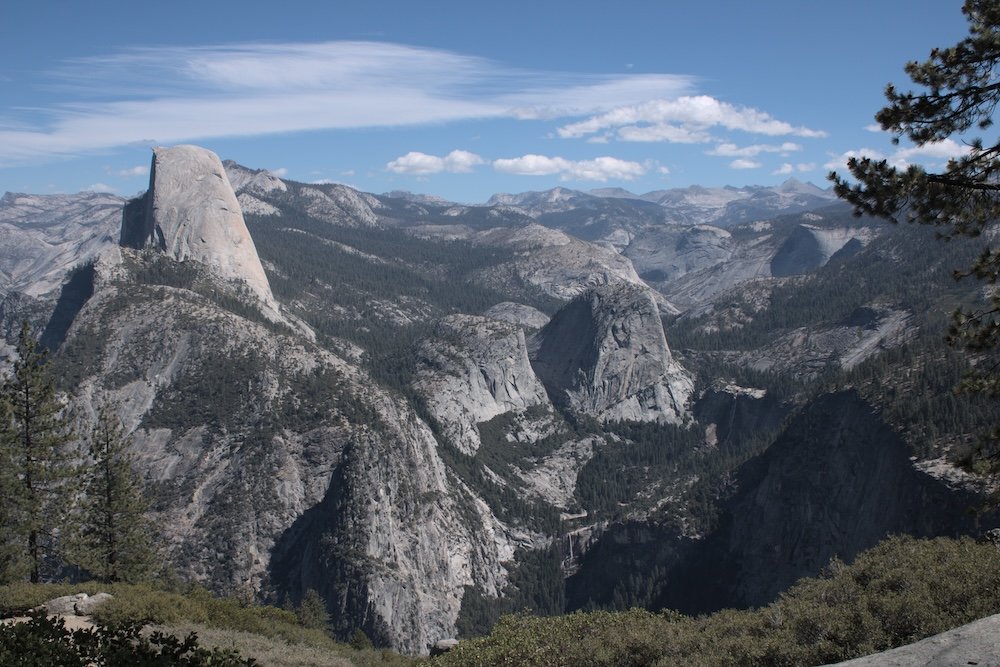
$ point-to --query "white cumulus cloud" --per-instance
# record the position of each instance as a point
(140, 170)
(598, 169)
(745, 163)
(732, 150)
(931, 155)
(840, 162)
(788, 168)
(416, 163)
(938, 150)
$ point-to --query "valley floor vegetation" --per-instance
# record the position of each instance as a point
(899, 592)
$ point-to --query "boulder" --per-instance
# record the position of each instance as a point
(443, 646)
(79, 604)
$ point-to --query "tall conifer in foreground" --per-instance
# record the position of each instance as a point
(958, 93)
(114, 538)
(35, 454)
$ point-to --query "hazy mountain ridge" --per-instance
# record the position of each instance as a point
(43, 236)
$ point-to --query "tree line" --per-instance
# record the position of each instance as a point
(72, 503)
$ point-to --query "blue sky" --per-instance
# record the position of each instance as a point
(459, 99)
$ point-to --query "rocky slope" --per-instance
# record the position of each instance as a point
(617, 216)
(42, 237)
(729, 206)
(279, 467)
(554, 262)
(692, 265)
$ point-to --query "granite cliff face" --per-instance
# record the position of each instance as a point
(191, 213)
(605, 354)
(278, 466)
(473, 369)
(810, 247)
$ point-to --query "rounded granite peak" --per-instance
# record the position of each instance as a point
(195, 215)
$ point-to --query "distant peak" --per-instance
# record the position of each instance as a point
(795, 185)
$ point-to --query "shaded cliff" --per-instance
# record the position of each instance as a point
(837, 481)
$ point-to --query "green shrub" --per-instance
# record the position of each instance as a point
(359, 641)
(902, 590)
(312, 612)
(45, 642)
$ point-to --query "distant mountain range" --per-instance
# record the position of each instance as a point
(432, 413)
(614, 215)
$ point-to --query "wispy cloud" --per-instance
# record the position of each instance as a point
(685, 119)
(598, 169)
(421, 164)
(170, 95)
(744, 163)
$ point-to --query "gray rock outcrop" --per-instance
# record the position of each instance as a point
(473, 369)
(519, 314)
(80, 604)
(605, 354)
(971, 644)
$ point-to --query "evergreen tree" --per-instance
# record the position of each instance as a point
(312, 611)
(960, 92)
(113, 537)
(11, 544)
(35, 453)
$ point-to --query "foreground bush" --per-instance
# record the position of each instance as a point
(896, 593)
(45, 642)
(223, 621)
(146, 604)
